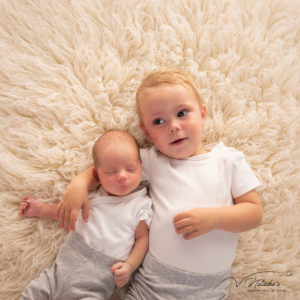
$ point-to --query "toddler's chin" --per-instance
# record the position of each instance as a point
(178, 155)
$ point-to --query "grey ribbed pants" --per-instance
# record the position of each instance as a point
(79, 272)
(155, 281)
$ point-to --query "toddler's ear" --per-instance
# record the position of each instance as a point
(145, 132)
(203, 114)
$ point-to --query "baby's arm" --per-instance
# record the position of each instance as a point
(75, 198)
(246, 214)
(29, 207)
(123, 270)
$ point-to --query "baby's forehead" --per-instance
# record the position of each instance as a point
(116, 138)
(115, 142)
(115, 157)
(119, 147)
(165, 86)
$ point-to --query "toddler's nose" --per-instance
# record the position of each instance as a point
(174, 126)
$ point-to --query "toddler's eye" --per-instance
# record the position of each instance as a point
(182, 113)
(158, 121)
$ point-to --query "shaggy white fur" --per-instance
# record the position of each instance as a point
(69, 71)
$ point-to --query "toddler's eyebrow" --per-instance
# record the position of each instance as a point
(157, 113)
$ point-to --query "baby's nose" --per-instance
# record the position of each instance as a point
(122, 175)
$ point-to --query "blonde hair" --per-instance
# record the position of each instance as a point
(167, 76)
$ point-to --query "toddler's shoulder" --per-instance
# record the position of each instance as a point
(231, 157)
(150, 153)
(229, 152)
(152, 159)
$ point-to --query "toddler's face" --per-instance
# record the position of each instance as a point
(120, 170)
(172, 120)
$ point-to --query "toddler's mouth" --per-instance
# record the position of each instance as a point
(178, 142)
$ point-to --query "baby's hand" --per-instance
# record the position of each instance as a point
(122, 272)
(195, 222)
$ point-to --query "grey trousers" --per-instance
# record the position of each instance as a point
(79, 272)
(155, 281)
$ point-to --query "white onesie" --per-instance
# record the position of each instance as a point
(113, 221)
(212, 179)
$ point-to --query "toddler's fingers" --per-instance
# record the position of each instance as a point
(67, 221)
(191, 235)
(61, 217)
(58, 208)
(85, 211)
(185, 230)
(181, 216)
(181, 223)
(73, 219)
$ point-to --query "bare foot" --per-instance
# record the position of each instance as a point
(29, 207)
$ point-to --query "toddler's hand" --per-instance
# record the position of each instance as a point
(122, 272)
(68, 208)
(195, 222)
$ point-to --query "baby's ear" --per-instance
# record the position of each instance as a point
(145, 132)
(95, 174)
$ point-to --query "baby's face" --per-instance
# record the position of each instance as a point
(172, 120)
(119, 170)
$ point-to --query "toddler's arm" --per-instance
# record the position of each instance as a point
(246, 214)
(123, 270)
(75, 198)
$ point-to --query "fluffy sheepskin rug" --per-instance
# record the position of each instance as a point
(69, 71)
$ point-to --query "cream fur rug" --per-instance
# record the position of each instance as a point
(69, 71)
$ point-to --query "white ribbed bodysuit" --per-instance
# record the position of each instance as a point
(212, 179)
